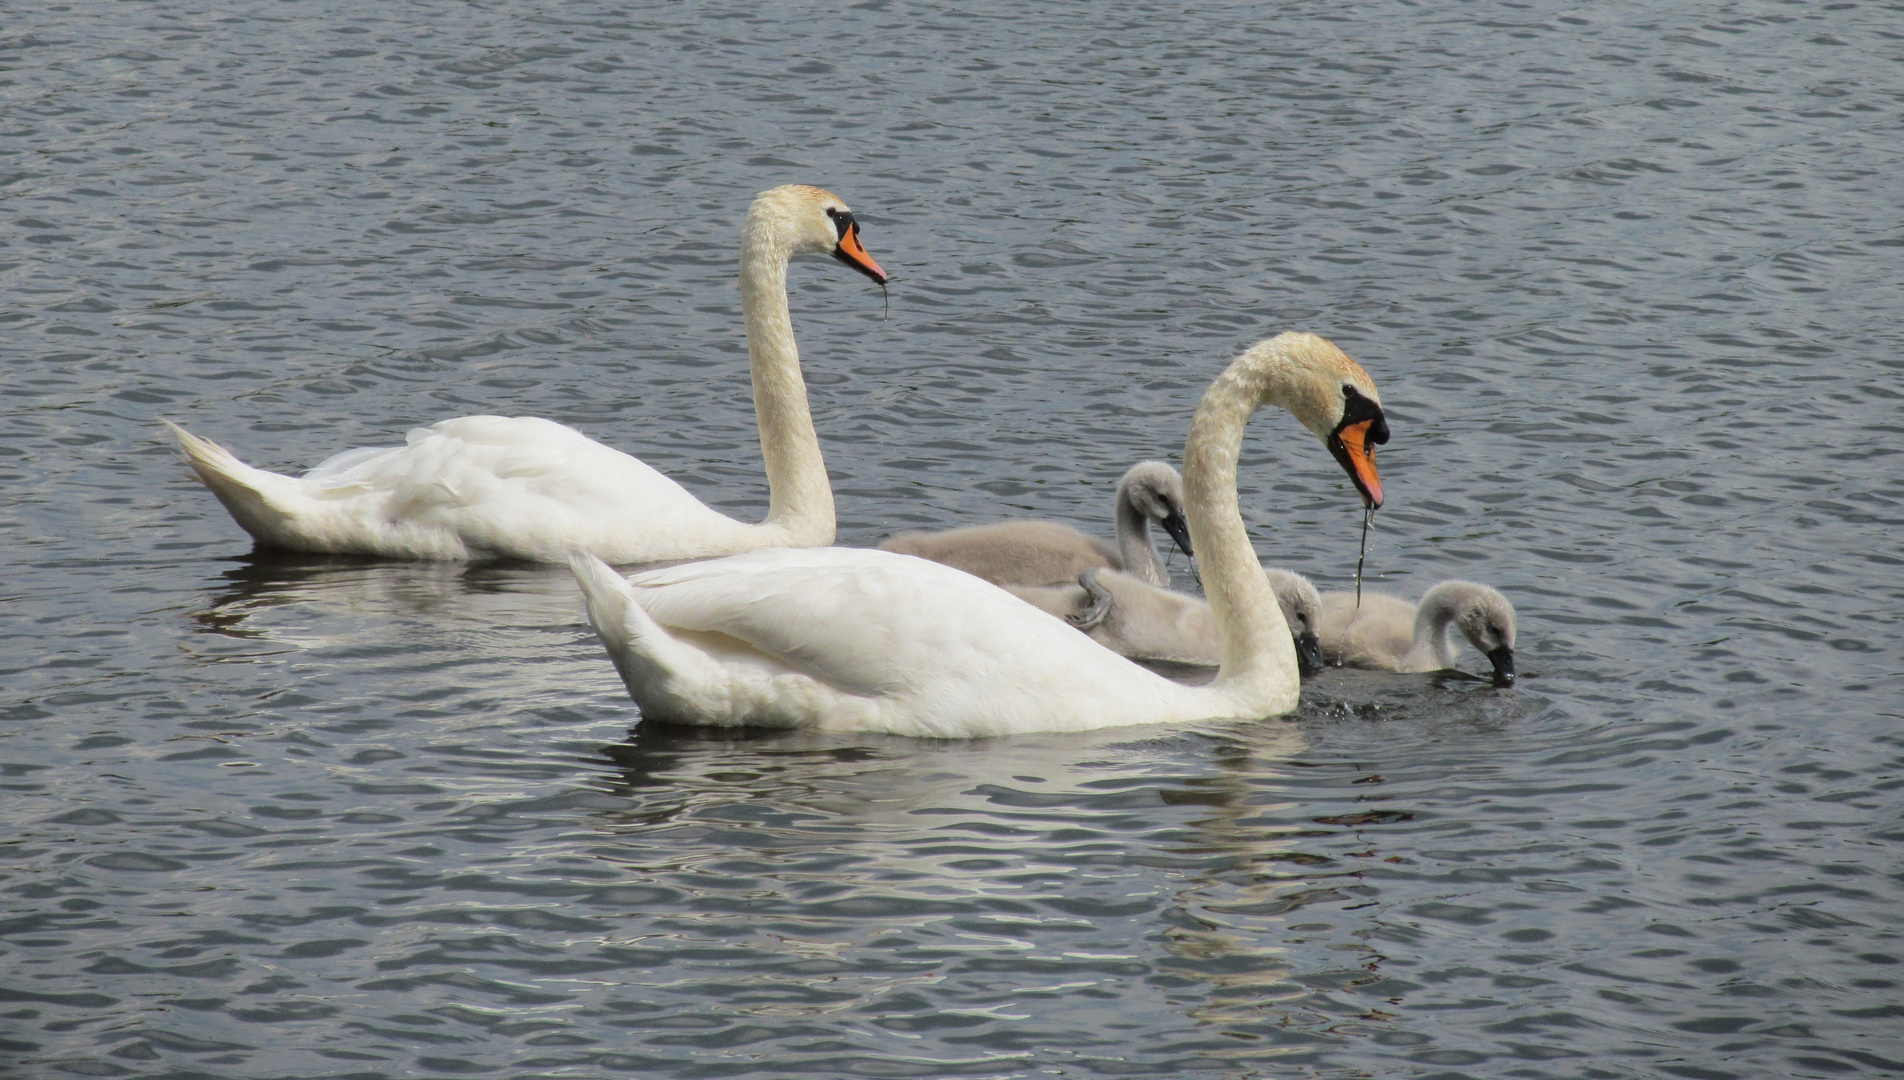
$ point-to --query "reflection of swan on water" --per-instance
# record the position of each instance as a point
(873, 641)
(946, 834)
(1038, 553)
(524, 488)
(353, 633)
(668, 772)
(1253, 863)
(396, 657)
(946, 859)
(451, 593)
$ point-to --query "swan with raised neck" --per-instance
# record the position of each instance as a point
(1344, 412)
(525, 488)
(858, 640)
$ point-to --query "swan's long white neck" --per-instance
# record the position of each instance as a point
(1259, 656)
(801, 497)
(1135, 545)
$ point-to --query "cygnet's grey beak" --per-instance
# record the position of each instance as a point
(1309, 654)
(1503, 661)
(1179, 531)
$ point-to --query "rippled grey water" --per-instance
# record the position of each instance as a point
(1628, 275)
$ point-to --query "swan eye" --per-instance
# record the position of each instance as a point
(842, 219)
(1357, 408)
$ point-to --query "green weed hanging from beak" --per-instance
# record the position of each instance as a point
(1368, 511)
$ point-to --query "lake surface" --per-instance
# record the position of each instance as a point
(1630, 278)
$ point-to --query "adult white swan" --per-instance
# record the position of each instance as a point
(501, 487)
(876, 641)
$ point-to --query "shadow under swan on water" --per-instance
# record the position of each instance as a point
(504, 638)
(666, 770)
(460, 592)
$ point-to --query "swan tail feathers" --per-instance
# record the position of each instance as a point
(258, 500)
(657, 668)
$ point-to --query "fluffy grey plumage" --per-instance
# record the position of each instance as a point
(1049, 553)
(1391, 634)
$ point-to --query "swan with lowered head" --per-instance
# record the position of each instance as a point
(499, 487)
(1391, 634)
(835, 638)
(1144, 622)
(1048, 553)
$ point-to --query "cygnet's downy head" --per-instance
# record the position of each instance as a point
(1155, 491)
(1302, 610)
(1486, 619)
(800, 218)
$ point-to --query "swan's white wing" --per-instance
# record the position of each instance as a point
(518, 486)
(865, 621)
(941, 651)
(464, 461)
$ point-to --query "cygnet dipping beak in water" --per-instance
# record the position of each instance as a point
(1390, 634)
